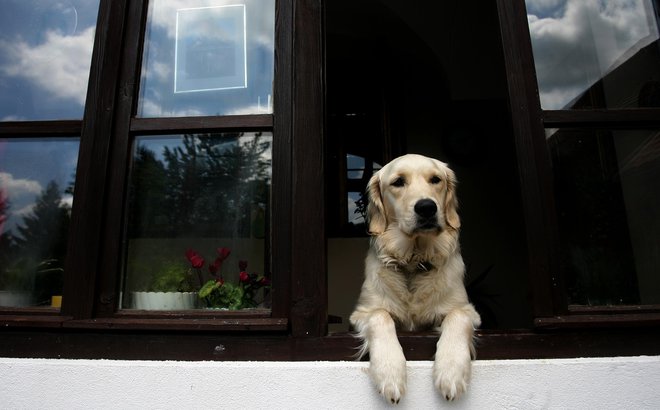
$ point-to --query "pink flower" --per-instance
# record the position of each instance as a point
(195, 259)
(223, 253)
(244, 277)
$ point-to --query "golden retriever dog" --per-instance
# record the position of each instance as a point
(414, 276)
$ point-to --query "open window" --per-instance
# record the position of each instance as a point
(593, 158)
(221, 137)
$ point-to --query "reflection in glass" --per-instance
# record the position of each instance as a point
(45, 55)
(211, 57)
(358, 172)
(198, 219)
(36, 194)
(609, 214)
(595, 54)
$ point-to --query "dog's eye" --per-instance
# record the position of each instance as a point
(399, 182)
(435, 180)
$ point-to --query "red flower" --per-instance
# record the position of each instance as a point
(265, 281)
(244, 277)
(214, 267)
(242, 265)
(195, 259)
(223, 253)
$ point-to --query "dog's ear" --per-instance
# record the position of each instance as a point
(375, 210)
(451, 201)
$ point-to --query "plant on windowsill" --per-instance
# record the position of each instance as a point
(16, 285)
(28, 283)
(171, 288)
(221, 294)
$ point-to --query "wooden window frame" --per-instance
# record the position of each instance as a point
(89, 324)
(551, 308)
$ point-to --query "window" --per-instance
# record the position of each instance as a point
(225, 137)
(595, 160)
(45, 57)
(197, 197)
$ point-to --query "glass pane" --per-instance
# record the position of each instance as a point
(45, 55)
(606, 187)
(595, 54)
(354, 166)
(208, 57)
(357, 208)
(198, 222)
(36, 194)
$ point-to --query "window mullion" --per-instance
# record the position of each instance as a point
(308, 266)
(111, 261)
(533, 161)
(85, 232)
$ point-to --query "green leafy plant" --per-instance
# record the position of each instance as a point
(218, 293)
(222, 295)
(174, 277)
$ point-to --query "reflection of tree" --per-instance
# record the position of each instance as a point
(7, 241)
(209, 186)
(43, 230)
(32, 259)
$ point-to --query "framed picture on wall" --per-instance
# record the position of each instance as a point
(210, 49)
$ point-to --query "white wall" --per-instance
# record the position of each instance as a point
(603, 383)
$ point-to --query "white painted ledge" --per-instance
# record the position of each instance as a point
(590, 383)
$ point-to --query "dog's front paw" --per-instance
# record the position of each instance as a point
(390, 377)
(452, 375)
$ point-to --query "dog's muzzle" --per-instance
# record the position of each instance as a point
(426, 211)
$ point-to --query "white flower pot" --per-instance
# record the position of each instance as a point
(12, 298)
(164, 300)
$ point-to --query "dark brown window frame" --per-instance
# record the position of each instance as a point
(89, 325)
(551, 309)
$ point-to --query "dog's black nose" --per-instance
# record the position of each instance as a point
(426, 208)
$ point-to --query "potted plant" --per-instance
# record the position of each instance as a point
(17, 284)
(218, 293)
(172, 287)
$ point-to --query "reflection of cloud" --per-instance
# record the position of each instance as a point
(163, 14)
(13, 118)
(24, 211)
(67, 201)
(18, 187)
(577, 42)
(59, 65)
(150, 108)
(211, 67)
(251, 109)
(16, 190)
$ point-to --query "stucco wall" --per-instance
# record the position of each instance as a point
(607, 383)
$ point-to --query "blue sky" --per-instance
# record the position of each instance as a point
(45, 55)
(208, 17)
(26, 168)
(577, 42)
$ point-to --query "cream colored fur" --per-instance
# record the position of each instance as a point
(414, 277)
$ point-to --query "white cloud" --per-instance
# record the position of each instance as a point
(151, 108)
(24, 211)
(67, 201)
(579, 41)
(59, 65)
(163, 13)
(21, 193)
(17, 187)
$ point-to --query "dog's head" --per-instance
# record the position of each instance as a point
(414, 194)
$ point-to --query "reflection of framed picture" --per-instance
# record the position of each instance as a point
(210, 49)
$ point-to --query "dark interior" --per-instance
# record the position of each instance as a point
(428, 78)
